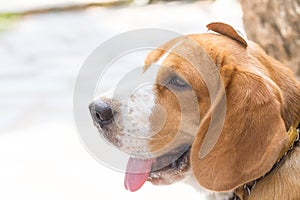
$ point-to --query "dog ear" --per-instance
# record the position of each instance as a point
(228, 31)
(252, 138)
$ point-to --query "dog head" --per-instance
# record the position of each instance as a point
(218, 110)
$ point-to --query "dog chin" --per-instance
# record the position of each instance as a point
(167, 177)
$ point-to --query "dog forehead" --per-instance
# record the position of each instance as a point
(159, 55)
(176, 52)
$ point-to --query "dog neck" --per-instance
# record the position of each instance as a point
(243, 192)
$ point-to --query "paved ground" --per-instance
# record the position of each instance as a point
(15, 5)
(41, 155)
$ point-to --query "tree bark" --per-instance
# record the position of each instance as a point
(275, 25)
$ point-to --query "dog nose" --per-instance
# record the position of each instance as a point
(101, 112)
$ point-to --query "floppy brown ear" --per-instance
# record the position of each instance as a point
(252, 137)
(227, 30)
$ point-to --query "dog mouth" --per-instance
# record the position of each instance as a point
(164, 170)
(170, 168)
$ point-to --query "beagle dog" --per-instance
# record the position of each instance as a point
(221, 113)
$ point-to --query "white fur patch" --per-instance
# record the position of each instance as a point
(135, 120)
(209, 195)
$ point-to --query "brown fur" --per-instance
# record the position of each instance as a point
(262, 102)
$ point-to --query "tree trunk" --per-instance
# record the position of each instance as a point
(275, 25)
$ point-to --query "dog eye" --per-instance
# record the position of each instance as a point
(178, 82)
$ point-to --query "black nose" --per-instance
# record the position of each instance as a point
(101, 112)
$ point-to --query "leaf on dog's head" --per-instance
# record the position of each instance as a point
(228, 31)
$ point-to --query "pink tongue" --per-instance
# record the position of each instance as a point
(137, 172)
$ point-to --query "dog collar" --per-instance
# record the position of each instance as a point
(294, 140)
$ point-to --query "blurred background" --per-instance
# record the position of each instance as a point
(43, 44)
